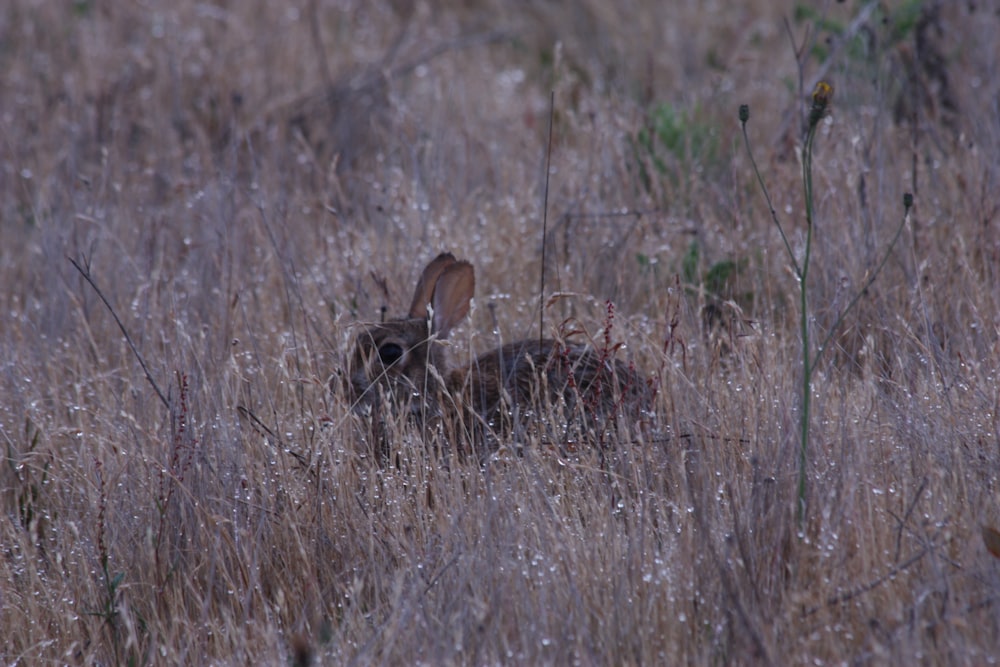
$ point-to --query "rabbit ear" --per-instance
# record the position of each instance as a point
(428, 280)
(452, 293)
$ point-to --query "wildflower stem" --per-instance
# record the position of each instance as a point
(807, 367)
(770, 205)
(864, 288)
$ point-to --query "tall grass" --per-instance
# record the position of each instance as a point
(244, 183)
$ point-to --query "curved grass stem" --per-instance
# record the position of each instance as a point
(770, 205)
(864, 288)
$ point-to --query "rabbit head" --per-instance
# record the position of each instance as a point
(403, 361)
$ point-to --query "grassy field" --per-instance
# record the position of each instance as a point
(199, 202)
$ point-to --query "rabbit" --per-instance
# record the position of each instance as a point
(403, 362)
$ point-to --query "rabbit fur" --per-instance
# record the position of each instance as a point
(401, 364)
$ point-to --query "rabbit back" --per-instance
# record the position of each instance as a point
(525, 380)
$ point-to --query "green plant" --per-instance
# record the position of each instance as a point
(672, 143)
(717, 284)
(810, 358)
(717, 279)
(900, 23)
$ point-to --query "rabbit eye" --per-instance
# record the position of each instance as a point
(390, 353)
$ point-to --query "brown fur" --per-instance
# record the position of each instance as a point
(525, 384)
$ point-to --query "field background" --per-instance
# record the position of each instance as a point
(243, 182)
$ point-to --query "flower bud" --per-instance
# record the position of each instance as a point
(821, 97)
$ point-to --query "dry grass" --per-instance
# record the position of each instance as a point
(244, 186)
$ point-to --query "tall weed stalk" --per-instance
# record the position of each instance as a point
(821, 97)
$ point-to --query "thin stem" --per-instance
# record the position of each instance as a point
(807, 368)
(864, 288)
(128, 339)
(770, 205)
(545, 222)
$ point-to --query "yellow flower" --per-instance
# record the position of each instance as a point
(822, 94)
